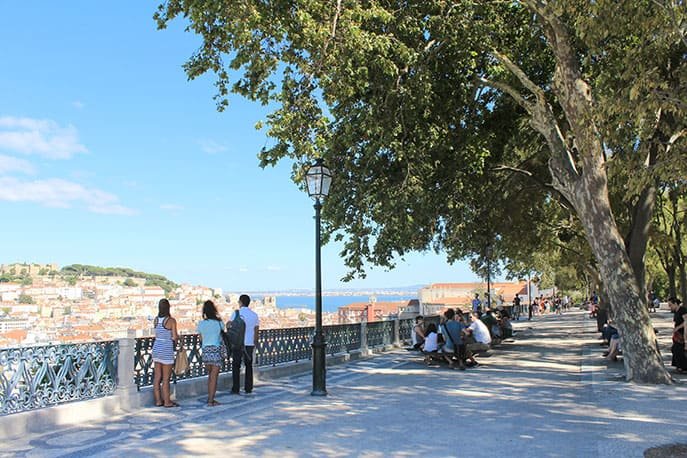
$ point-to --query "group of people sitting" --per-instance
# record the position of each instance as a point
(460, 336)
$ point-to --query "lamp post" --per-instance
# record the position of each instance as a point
(488, 253)
(318, 178)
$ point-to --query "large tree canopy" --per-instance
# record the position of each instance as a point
(451, 124)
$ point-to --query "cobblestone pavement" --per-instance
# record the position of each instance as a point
(548, 393)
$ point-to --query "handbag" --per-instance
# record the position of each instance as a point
(678, 336)
(181, 362)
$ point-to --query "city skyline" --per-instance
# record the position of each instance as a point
(110, 157)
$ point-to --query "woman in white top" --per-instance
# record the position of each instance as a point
(213, 356)
(431, 338)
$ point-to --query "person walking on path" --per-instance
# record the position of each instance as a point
(246, 353)
(165, 328)
(516, 306)
(679, 348)
(213, 355)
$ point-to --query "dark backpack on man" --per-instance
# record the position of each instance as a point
(236, 332)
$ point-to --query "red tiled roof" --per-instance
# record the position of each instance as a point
(15, 334)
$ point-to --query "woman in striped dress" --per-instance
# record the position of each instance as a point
(163, 354)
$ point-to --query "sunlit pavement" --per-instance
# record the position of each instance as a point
(547, 393)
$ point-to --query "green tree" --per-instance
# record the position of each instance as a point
(129, 282)
(25, 299)
(420, 108)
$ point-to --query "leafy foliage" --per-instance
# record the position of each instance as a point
(425, 156)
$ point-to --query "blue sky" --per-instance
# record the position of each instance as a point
(109, 156)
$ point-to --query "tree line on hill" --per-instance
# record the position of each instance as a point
(72, 273)
(83, 270)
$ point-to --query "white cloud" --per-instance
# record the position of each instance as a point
(171, 207)
(211, 146)
(42, 137)
(243, 269)
(58, 193)
(12, 164)
(78, 104)
(274, 268)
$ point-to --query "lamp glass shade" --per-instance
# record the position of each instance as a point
(318, 178)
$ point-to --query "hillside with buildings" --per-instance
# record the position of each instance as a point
(41, 303)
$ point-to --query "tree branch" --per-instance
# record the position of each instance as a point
(521, 76)
(508, 89)
(675, 137)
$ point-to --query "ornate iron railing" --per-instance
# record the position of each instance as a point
(143, 360)
(342, 338)
(380, 333)
(277, 346)
(42, 376)
(405, 330)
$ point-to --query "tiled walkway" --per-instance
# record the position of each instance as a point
(549, 393)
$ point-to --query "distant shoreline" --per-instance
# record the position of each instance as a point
(331, 303)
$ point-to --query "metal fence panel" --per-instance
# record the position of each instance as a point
(47, 375)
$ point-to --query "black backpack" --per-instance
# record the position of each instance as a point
(236, 332)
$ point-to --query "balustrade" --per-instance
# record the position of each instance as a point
(41, 376)
(35, 377)
(276, 346)
(342, 338)
(405, 330)
(380, 333)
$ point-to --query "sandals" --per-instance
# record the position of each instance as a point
(173, 404)
(213, 404)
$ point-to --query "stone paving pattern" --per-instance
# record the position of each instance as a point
(548, 393)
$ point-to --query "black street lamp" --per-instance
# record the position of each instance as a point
(488, 253)
(318, 178)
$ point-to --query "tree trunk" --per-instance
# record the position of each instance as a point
(643, 362)
(672, 286)
(639, 235)
(579, 173)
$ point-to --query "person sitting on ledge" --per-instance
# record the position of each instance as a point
(613, 348)
(506, 325)
(492, 325)
(479, 338)
(607, 333)
(454, 348)
(431, 343)
(418, 335)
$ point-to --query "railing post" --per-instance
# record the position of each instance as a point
(363, 337)
(397, 332)
(126, 388)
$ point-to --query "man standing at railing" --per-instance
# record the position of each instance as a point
(246, 352)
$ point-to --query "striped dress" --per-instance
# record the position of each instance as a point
(163, 348)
